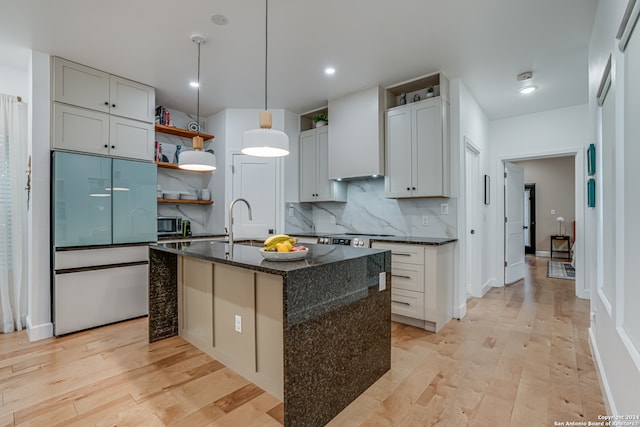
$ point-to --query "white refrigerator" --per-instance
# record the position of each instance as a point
(104, 214)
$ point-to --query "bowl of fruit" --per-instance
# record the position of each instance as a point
(283, 248)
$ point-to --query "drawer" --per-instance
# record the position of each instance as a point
(407, 303)
(409, 277)
(100, 256)
(410, 254)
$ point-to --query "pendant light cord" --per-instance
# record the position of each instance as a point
(198, 93)
(266, 50)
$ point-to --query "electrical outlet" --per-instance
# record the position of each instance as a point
(444, 208)
(382, 281)
(291, 211)
(238, 323)
(425, 219)
(332, 219)
(553, 211)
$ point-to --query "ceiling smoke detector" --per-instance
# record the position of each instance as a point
(219, 19)
(523, 77)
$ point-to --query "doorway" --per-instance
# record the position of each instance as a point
(530, 219)
(472, 207)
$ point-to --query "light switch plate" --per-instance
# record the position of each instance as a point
(444, 209)
(382, 281)
(425, 219)
(238, 324)
(332, 219)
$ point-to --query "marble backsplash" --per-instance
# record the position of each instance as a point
(367, 211)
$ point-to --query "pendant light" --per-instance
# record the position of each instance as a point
(197, 160)
(265, 142)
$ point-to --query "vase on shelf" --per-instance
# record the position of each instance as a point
(320, 123)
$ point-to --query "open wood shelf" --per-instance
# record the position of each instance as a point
(181, 132)
(166, 165)
(186, 202)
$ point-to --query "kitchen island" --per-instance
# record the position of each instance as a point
(315, 333)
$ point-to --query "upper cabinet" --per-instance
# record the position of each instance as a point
(315, 185)
(417, 142)
(86, 87)
(94, 112)
(356, 137)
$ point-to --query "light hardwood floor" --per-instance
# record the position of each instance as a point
(520, 357)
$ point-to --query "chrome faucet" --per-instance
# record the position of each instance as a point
(231, 221)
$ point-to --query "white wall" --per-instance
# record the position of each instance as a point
(552, 133)
(14, 81)
(617, 358)
(39, 318)
(469, 123)
(217, 125)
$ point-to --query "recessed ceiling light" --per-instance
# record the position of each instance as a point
(526, 90)
(219, 19)
(329, 70)
(194, 84)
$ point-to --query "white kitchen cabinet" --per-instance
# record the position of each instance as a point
(315, 185)
(79, 129)
(356, 137)
(83, 86)
(87, 131)
(131, 138)
(417, 150)
(421, 284)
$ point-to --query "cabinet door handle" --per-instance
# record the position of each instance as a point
(402, 277)
(113, 105)
(400, 254)
(113, 146)
(400, 302)
(106, 103)
(408, 188)
(413, 188)
(106, 146)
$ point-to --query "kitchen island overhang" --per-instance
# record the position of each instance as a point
(335, 317)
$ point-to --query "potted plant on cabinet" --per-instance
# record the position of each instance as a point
(430, 92)
(320, 119)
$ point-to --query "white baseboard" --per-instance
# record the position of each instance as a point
(461, 311)
(602, 377)
(491, 283)
(546, 254)
(39, 332)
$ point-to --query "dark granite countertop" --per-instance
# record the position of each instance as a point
(415, 240)
(249, 257)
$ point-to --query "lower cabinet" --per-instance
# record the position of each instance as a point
(421, 284)
(234, 315)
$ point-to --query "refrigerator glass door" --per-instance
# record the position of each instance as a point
(134, 201)
(81, 200)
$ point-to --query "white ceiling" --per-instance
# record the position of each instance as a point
(486, 43)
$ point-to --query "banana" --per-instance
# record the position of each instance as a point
(278, 238)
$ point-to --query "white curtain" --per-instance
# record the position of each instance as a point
(13, 214)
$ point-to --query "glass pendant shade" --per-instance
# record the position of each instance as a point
(265, 142)
(197, 161)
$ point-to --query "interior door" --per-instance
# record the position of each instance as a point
(514, 223)
(473, 255)
(254, 179)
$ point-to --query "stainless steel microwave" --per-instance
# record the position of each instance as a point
(169, 225)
